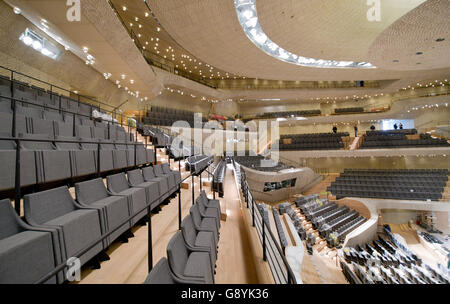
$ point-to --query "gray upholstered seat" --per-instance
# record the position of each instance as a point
(199, 240)
(137, 198)
(209, 202)
(115, 209)
(26, 253)
(177, 174)
(150, 155)
(107, 161)
(75, 226)
(161, 274)
(8, 161)
(209, 212)
(122, 156)
(188, 265)
(52, 115)
(51, 164)
(135, 179)
(149, 176)
(29, 111)
(157, 169)
(204, 224)
(83, 162)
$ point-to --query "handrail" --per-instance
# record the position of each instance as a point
(266, 231)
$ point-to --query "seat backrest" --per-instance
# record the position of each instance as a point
(83, 131)
(41, 126)
(67, 145)
(99, 133)
(177, 254)
(189, 231)
(135, 177)
(50, 115)
(63, 129)
(5, 105)
(90, 191)
(158, 170)
(148, 173)
(87, 122)
(165, 168)
(36, 145)
(29, 112)
(117, 183)
(160, 274)
(44, 206)
(196, 217)
(9, 224)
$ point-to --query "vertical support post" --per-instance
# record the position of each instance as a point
(201, 188)
(17, 179)
(98, 159)
(264, 237)
(135, 154)
(149, 240)
(73, 125)
(253, 213)
(156, 155)
(179, 207)
(192, 182)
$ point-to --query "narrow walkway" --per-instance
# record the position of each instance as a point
(235, 264)
(128, 263)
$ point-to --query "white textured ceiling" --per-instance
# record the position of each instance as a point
(210, 30)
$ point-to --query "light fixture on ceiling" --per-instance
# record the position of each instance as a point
(17, 10)
(124, 8)
(40, 44)
(248, 18)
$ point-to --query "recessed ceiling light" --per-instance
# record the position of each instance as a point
(124, 8)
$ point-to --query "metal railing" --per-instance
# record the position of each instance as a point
(272, 253)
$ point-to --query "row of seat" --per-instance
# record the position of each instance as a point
(58, 227)
(382, 262)
(417, 184)
(312, 146)
(332, 222)
(392, 132)
(50, 152)
(404, 143)
(280, 230)
(398, 171)
(219, 177)
(349, 110)
(289, 114)
(191, 252)
(198, 163)
(40, 98)
(315, 135)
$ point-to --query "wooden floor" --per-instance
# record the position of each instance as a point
(128, 261)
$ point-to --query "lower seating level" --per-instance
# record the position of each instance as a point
(394, 184)
(57, 227)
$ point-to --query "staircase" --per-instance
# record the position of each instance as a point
(446, 193)
(323, 185)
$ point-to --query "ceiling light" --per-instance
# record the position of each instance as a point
(146, 15)
(40, 44)
(158, 29)
(17, 10)
(131, 81)
(124, 8)
(123, 76)
(85, 49)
